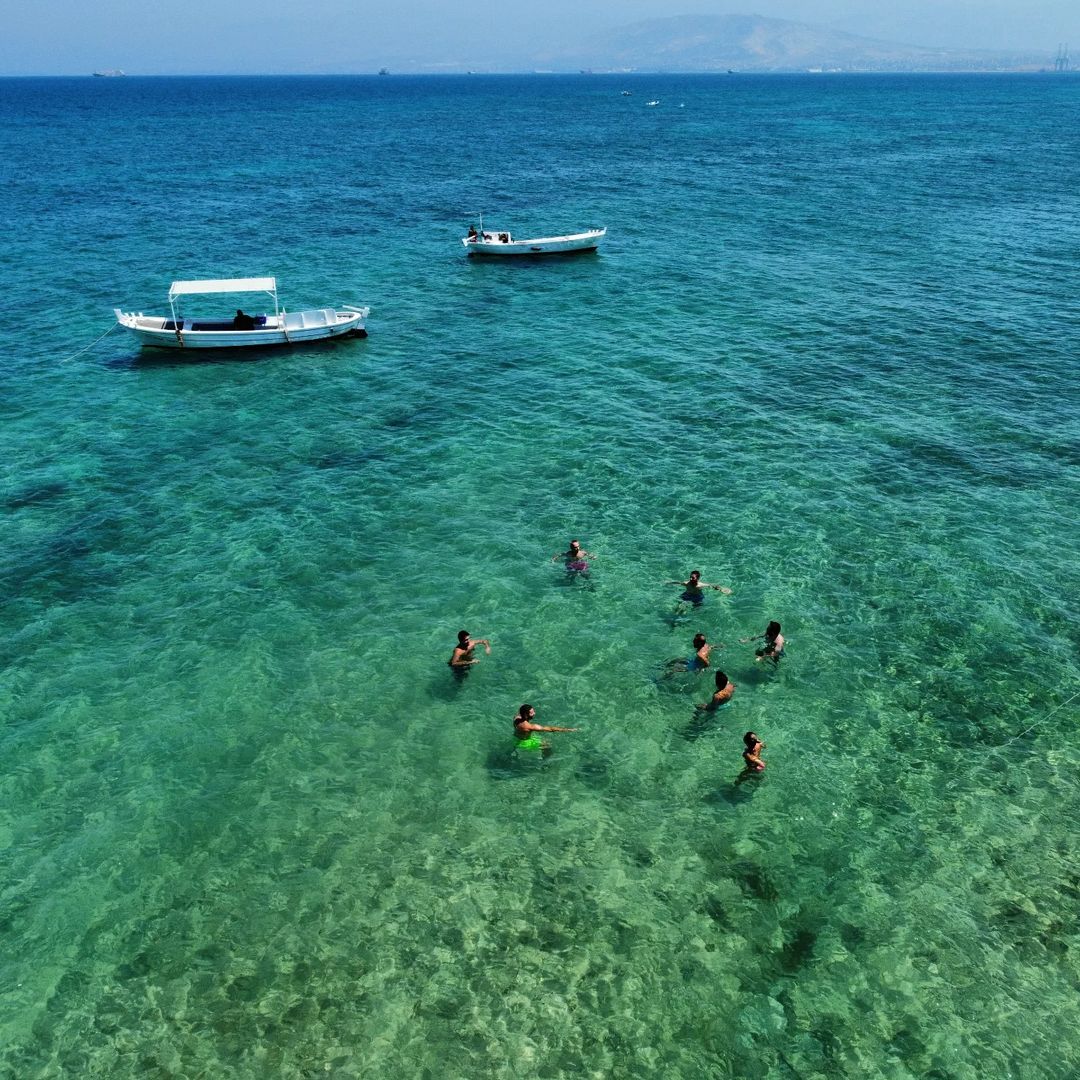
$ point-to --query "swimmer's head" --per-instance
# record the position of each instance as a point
(772, 630)
(695, 575)
(750, 738)
(721, 680)
(699, 640)
(526, 712)
(463, 637)
(574, 545)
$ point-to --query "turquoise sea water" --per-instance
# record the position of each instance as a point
(251, 826)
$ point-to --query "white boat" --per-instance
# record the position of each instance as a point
(495, 242)
(178, 331)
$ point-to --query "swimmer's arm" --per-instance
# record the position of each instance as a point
(528, 726)
(719, 588)
(486, 644)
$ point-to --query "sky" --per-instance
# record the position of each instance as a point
(74, 37)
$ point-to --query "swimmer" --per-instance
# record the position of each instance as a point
(724, 691)
(698, 661)
(752, 753)
(574, 558)
(462, 658)
(694, 588)
(525, 731)
(773, 649)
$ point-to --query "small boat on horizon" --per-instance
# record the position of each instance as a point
(110, 74)
(496, 242)
(178, 331)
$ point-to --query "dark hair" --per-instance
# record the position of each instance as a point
(772, 630)
(462, 636)
(721, 680)
(749, 739)
(699, 640)
(695, 573)
(523, 712)
(573, 542)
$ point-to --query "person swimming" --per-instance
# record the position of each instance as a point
(698, 660)
(694, 588)
(724, 690)
(525, 737)
(773, 649)
(575, 558)
(752, 753)
(462, 657)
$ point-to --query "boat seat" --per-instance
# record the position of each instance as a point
(303, 320)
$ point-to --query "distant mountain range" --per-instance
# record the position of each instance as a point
(751, 43)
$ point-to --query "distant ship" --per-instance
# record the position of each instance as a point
(384, 71)
(111, 74)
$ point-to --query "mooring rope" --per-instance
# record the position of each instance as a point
(67, 359)
(1042, 720)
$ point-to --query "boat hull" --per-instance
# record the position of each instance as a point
(549, 245)
(297, 328)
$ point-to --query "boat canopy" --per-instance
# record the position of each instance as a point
(224, 285)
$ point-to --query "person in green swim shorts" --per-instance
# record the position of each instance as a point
(525, 731)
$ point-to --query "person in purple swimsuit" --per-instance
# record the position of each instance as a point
(575, 559)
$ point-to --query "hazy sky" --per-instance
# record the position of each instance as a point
(151, 36)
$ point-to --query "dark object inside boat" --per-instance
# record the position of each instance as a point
(222, 324)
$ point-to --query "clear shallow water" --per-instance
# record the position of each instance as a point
(251, 826)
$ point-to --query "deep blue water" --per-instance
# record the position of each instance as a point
(250, 825)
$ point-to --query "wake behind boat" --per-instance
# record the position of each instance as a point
(177, 331)
(494, 242)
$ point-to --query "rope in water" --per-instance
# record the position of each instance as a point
(1043, 720)
(85, 348)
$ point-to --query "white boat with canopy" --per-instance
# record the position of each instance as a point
(180, 331)
(496, 242)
